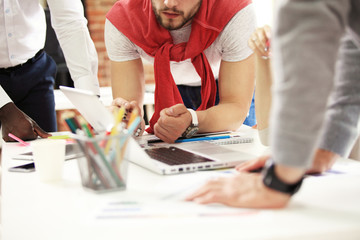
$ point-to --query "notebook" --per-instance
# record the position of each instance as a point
(164, 158)
(177, 158)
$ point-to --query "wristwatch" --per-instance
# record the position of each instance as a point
(272, 181)
(194, 126)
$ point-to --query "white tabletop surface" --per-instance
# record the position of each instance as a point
(152, 207)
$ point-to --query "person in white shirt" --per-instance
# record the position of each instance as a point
(27, 73)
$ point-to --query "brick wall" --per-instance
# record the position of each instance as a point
(96, 11)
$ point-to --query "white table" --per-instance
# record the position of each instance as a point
(326, 207)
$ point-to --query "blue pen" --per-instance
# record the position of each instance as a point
(202, 139)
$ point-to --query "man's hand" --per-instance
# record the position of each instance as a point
(252, 165)
(172, 123)
(243, 190)
(323, 161)
(14, 121)
(129, 108)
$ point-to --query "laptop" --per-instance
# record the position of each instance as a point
(90, 107)
(178, 158)
(160, 158)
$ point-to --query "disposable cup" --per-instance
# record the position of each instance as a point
(49, 157)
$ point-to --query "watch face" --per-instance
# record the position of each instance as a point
(191, 131)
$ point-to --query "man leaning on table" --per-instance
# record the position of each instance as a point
(191, 43)
(310, 37)
(27, 107)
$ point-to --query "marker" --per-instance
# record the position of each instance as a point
(60, 137)
(202, 139)
(18, 139)
(267, 44)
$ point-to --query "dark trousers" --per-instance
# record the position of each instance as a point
(31, 88)
(191, 97)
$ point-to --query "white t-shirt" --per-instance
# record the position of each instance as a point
(231, 45)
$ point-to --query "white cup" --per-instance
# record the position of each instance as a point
(49, 157)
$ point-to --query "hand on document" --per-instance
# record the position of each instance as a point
(243, 190)
(323, 161)
(247, 189)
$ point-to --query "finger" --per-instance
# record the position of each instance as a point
(113, 108)
(199, 192)
(261, 41)
(267, 30)
(252, 164)
(251, 45)
(209, 197)
(6, 136)
(163, 113)
(134, 105)
(254, 48)
(164, 137)
(246, 166)
(163, 134)
(176, 110)
(257, 45)
(39, 132)
(119, 102)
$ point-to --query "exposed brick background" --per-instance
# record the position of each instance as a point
(96, 11)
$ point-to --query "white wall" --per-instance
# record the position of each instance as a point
(264, 12)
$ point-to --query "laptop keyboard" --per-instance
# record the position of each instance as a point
(175, 156)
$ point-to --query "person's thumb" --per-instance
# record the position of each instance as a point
(176, 110)
(40, 132)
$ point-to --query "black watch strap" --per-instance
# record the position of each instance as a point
(272, 181)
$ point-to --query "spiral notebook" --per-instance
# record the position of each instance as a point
(233, 141)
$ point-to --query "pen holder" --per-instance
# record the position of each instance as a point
(103, 167)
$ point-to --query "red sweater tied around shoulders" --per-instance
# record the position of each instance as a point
(136, 20)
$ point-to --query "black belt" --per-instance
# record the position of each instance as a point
(17, 67)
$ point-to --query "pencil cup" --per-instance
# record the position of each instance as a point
(103, 167)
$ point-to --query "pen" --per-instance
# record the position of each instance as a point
(202, 138)
(198, 135)
(18, 139)
(60, 137)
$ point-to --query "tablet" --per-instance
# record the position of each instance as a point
(90, 107)
(72, 151)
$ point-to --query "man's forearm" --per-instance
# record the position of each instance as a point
(223, 117)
